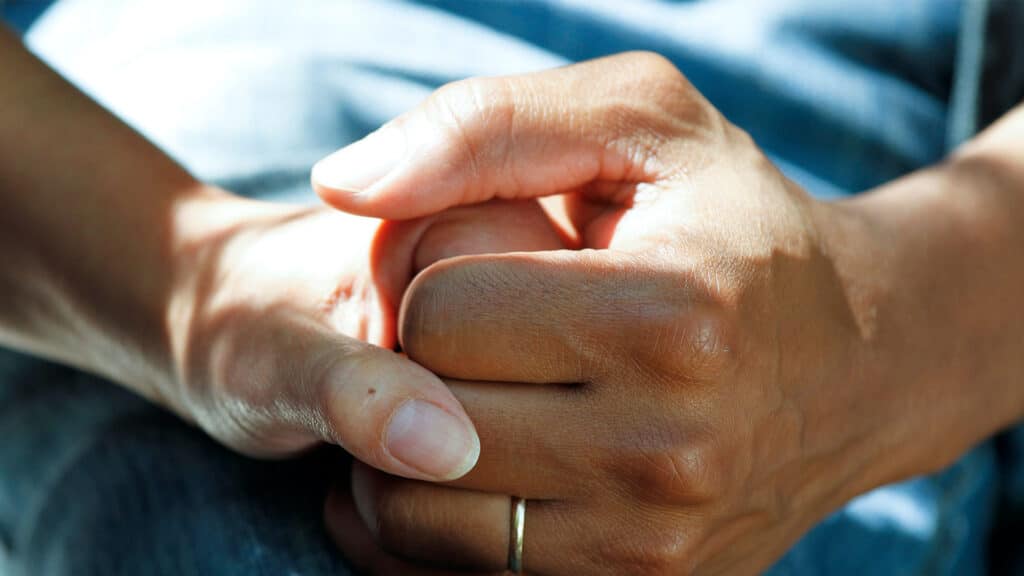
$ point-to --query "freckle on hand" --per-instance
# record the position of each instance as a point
(371, 391)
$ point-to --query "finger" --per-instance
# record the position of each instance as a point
(528, 339)
(304, 382)
(448, 528)
(531, 438)
(493, 228)
(431, 446)
(357, 544)
(403, 248)
(519, 137)
(563, 316)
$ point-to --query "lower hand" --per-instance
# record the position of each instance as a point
(282, 325)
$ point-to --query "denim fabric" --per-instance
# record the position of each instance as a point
(248, 93)
(96, 481)
(21, 14)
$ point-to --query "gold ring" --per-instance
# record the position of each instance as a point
(515, 540)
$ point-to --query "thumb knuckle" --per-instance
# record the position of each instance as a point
(474, 115)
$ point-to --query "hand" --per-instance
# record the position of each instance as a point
(283, 323)
(724, 366)
(268, 326)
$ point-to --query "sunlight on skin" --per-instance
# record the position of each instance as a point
(269, 326)
(726, 363)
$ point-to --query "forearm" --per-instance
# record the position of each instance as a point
(88, 228)
(934, 267)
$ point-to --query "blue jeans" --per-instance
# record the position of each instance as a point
(247, 94)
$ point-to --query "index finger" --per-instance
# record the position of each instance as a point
(519, 137)
(542, 317)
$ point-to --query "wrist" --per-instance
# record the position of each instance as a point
(138, 320)
(927, 263)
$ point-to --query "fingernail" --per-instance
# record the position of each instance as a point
(361, 164)
(432, 441)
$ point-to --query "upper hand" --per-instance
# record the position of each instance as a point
(690, 395)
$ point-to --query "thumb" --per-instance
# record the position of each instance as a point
(394, 415)
(283, 389)
(519, 137)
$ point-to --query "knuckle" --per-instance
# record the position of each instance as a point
(694, 346)
(656, 552)
(469, 110)
(670, 107)
(654, 66)
(682, 475)
(464, 103)
(475, 95)
(661, 79)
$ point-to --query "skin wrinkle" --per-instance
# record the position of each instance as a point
(492, 109)
(509, 172)
(683, 337)
(735, 359)
(445, 104)
(241, 414)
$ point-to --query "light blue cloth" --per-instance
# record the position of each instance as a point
(248, 94)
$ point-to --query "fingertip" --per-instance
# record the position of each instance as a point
(333, 197)
(376, 177)
(357, 167)
(397, 416)
(388, 199)
(336, 194)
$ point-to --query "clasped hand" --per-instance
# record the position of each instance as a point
(668, 390)
(612, 305)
